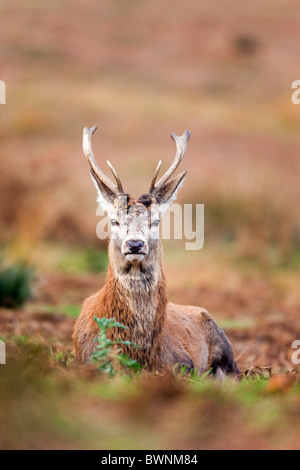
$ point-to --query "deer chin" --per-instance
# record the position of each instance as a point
(134, 258)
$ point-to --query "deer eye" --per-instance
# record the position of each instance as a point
(155, 223)
(114, 222)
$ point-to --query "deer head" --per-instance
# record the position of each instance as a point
(135, 222)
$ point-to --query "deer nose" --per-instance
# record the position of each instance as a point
(135, 246)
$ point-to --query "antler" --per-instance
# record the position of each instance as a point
(87, 150)
(181, 144)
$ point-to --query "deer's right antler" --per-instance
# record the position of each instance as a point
(87, 150)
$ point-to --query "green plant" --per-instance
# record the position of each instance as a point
(88, 260)
(64, 357)
(15, 285)
(106, 353)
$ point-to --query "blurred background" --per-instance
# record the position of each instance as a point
(141, 70)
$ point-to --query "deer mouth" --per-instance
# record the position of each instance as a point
(135, 257)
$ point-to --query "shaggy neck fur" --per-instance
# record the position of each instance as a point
(135, 295)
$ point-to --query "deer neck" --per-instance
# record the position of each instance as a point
(136, 295)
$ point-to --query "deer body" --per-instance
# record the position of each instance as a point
(168, 335)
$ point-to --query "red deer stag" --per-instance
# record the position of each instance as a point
(168, 335)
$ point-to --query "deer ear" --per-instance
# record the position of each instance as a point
(105, 196)
(168, 192)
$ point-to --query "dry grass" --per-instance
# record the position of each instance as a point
(138, 84)
(68, 408)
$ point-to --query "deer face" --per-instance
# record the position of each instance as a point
(134, 228)
(135, 221)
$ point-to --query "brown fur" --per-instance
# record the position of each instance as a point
(113, 302)
(167, 334)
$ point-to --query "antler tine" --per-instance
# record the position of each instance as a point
(119, 184)
(154, 177)
(87, 150)
(181, 144)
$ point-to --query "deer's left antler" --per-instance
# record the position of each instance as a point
(181, 144)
